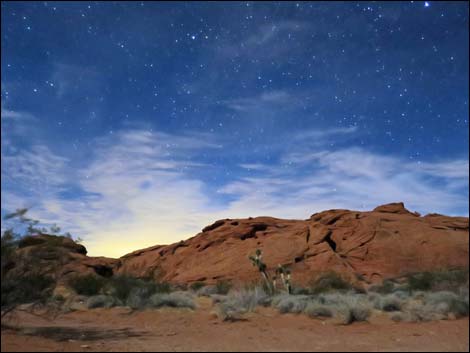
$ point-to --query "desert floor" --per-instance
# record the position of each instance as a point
(119, 329)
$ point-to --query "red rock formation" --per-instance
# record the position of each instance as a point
(387, 242)
(59, 257)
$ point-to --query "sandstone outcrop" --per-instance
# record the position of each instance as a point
(388, 242)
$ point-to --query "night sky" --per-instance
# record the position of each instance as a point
(134, 124)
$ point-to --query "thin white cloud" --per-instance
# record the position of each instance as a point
(456, 169)
(350, 178)
(136, 190)
(260, 43)
(323, 133)
(264, 102)
(141, 188)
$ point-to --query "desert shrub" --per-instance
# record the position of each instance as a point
(122, 286)
(401, 293)
(100, 301)
(195, 286)
(327, 282)
(420, 281)
(450, 280)
(9, 243)
(174, 300)
(239, 302)
(138, 297)
(314, 310)
(390, 302)
(374, 299)
(58, 298)
(223, 287)
(333, 298)
(386, 287)
(428, 306)
(346, 307)
(290, 303)
(297, 290)
(87, 285)
(417, 311)
(360, 312)
(218, 298)
(28, 288)
(207, 291)
(248, 299)
(228, 312)
(353, 309)
(447, 303)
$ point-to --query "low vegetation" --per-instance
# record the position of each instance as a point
(86, 285)
(22, 279)
(416, 297)
(328, 282)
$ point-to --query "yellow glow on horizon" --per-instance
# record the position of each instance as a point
(117, 244)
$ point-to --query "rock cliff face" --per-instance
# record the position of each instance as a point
(58, 257)
(387, 242)
(370, 246)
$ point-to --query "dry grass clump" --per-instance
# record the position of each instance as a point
(388, 303)
(177, 299)
(286, 303)
(428, 306)
(206, 291)
(352, 307)
(101, 301)
(238, 302)
(317, 310)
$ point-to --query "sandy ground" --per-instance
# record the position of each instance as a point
(118, 329)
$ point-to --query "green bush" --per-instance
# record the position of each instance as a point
(195, 286)
(327, 282)
(297, 290)
(28, 288)
(223, 287)
(450, 280)
(87, 285)
(421, 281)
(386, 287)
(121, 286)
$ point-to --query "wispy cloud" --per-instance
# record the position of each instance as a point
(324, 133)
(260, 43)
(136, 190)
(139, 188)
(350, 178)
(266, 101)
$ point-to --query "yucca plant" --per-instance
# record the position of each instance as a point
(271, 283)
(285, 277)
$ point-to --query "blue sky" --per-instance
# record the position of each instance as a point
(133, 124)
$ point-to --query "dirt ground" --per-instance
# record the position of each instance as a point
(119, 329)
